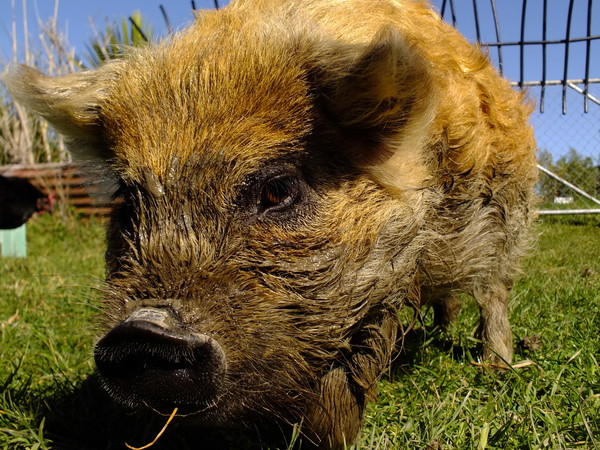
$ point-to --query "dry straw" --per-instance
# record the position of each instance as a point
(24, 138)
(160, 433)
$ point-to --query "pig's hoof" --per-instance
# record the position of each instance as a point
(155, 363)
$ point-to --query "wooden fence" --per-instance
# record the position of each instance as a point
(72, 184)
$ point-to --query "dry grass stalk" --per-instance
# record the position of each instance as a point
(24, 138)
(160, 433)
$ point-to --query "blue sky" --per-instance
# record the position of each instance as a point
(75, 18)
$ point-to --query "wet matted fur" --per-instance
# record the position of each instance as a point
(292, 173)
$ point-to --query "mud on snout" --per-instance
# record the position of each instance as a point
(151, 359)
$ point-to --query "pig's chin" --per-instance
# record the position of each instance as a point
(151, 360)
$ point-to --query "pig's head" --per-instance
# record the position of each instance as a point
(272, 187)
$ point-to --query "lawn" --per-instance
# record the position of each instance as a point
(435, 398)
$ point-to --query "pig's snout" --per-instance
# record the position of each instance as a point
(151, 359)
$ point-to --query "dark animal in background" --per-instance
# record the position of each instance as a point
(292, 173)
(19, 200)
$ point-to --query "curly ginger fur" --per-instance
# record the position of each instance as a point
(424, 166)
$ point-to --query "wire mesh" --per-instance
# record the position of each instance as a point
(547, 48)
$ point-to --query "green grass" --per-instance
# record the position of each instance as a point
(441, 401)
(46, 330)
(434, 399)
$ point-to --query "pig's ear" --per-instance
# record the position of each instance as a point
(71, 103)
(384, 103)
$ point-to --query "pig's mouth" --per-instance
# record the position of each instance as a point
(150, 359)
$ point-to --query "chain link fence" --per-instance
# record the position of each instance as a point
(569, 152)
(548, 49)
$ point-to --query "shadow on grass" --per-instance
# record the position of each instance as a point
(86, 419)
(418, 340)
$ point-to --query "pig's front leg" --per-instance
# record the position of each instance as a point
(337, 414)
(494, 327)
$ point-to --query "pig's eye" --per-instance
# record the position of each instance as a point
(279, 193)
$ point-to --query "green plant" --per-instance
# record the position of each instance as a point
(110, 43)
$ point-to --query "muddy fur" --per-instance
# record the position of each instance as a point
(408, 168)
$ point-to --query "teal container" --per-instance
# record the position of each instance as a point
(13, 243)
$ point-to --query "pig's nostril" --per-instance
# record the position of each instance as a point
(138, 345)
(130, 367)
(141, 361)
